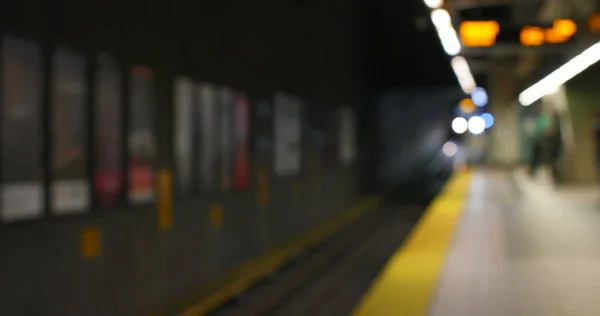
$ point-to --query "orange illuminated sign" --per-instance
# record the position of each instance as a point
(479, 33)
(594, 23)
(553, 37)
(564, 28)
(532, 36)
(562, 31)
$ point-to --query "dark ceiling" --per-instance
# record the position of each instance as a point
(318, 49)
(398, 53)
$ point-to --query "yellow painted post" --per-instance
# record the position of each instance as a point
(216, 215)
(165, 200)
(263, 187)
(91, 243)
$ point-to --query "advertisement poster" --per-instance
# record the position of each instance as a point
(108, 177)
(287, 129)
(207, 110)
(347, 130)
(141, 137)
(263, 147)
(242, 172)
(183, 139)
(70, 192)
(21, 182)
(226, 121)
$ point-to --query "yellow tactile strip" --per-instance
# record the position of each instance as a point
(408, 281)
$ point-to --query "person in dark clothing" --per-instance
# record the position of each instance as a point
(542, 126)
(547, 147)
(536, 157)
(555, 148)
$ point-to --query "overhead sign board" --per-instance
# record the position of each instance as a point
(490, 32)
(562, 31)
(479, 33)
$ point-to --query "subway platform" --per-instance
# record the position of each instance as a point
(495, 243)
(491, 243)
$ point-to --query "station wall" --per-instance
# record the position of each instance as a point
(144, 248)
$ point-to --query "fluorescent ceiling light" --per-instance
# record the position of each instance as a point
(450, 41)
(434, 4)
(441, 18)
(561, 75)
(442, 21)
(463, 74)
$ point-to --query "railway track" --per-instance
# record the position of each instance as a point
(332, 277)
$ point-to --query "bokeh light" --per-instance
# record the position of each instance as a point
(488, 119)
(467, 106)
(460, 125)
(450, 149)
(479, 97)
(476, 125)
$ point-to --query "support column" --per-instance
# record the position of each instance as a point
(504, 137)
(583, 97)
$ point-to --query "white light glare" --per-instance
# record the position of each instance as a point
(450, 149)
(561, 75)
(434, 4)
(463, 74)
(449, 39)
(476, 125)
(441, 18)
(459, 125)
(443, 24)
(479, 97)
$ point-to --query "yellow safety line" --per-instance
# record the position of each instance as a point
(408, 281)
(251, 272)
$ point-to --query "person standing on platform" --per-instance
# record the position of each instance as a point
(555, 148)
(543, 125)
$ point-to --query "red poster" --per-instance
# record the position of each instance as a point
(107, 184)
(108, 179)
(141, 138)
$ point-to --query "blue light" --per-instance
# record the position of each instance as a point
(488, 119)
(479, 97)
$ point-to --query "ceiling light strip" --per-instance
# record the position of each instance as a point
(451, 44)
(561, 75)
